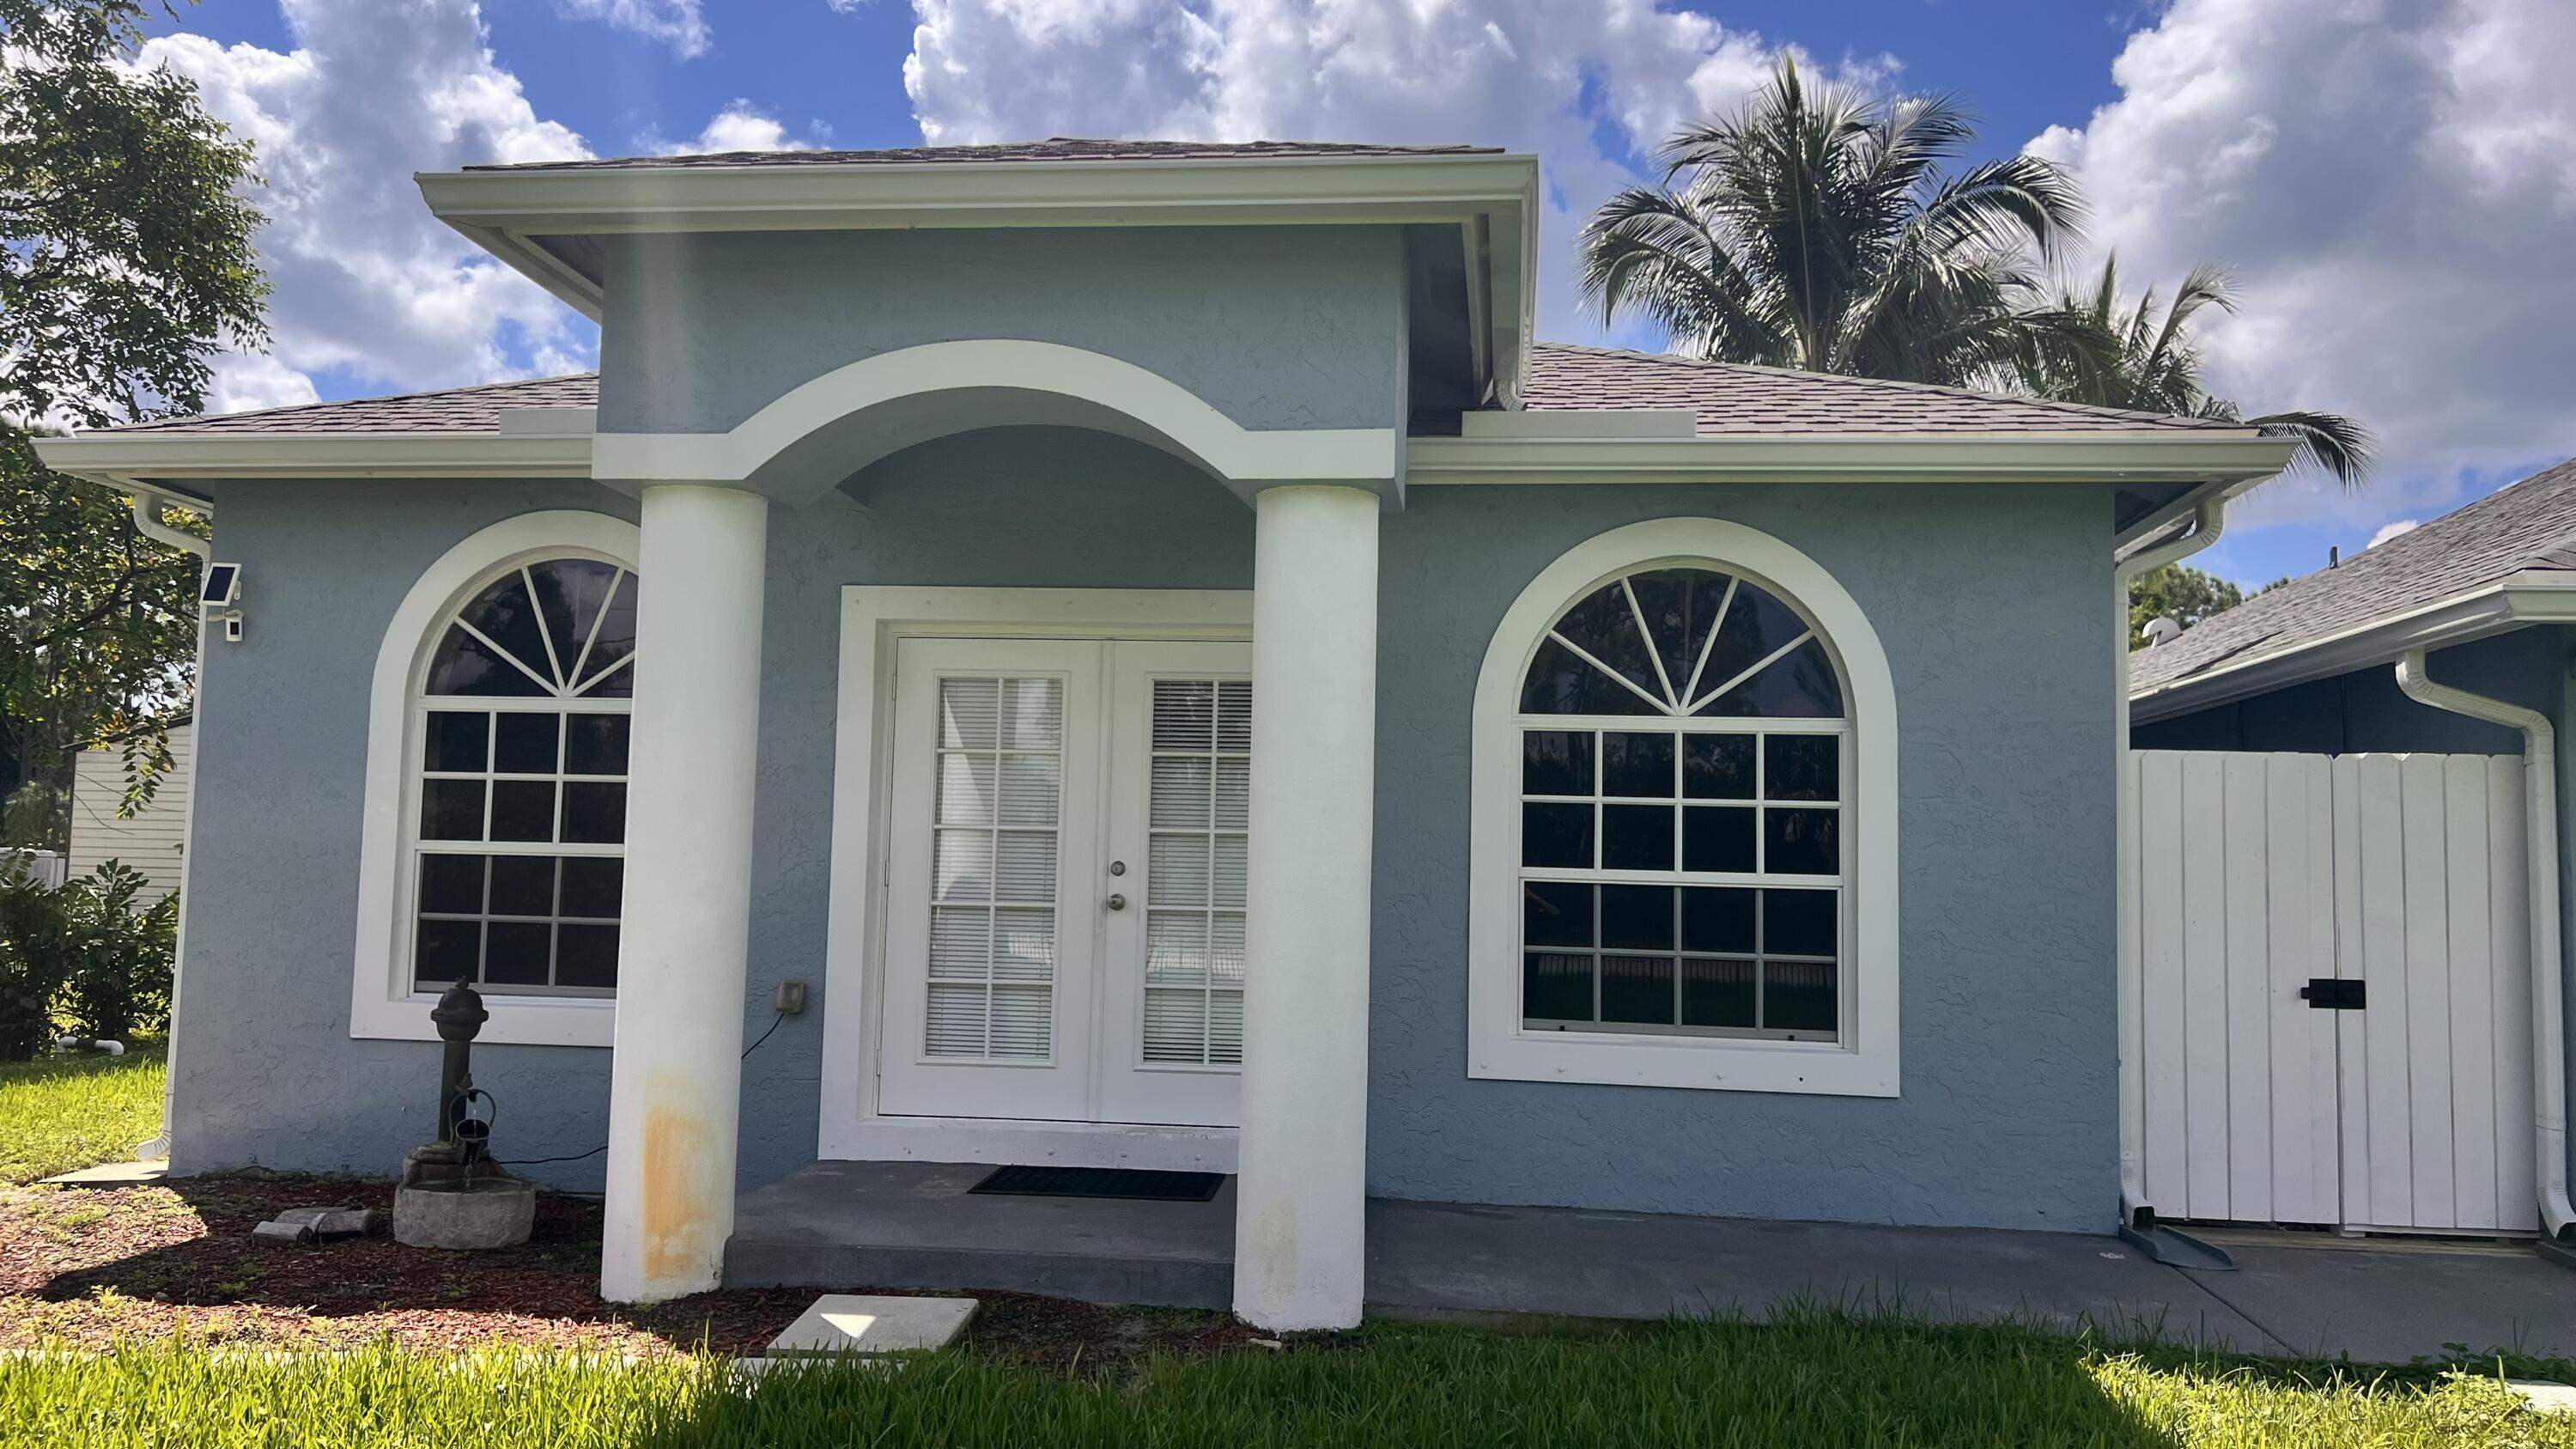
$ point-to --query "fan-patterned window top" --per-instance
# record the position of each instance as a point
(561, 628)
(1683, 642)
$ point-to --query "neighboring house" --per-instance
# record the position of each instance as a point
(1142, 634)
(2334, 788)
(152, 838)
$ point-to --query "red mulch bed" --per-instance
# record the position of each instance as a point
(88, 1267)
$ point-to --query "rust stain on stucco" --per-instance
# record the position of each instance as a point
(676, 1146)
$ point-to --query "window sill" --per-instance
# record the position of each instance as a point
(1702, 1063)
(516, 1021)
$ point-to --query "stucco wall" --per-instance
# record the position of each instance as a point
(1989, 603)
(1276, 327)
(267, 1070)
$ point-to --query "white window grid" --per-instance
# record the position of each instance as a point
(493, 707)
(1017, 928)
(1761, 876)
(1198, 827)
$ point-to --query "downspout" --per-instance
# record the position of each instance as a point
(2540, 823)
(147, 518)
(2209, 520)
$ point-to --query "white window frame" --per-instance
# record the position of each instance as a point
(383, 1005)
(874, 619)
(1863, 1061)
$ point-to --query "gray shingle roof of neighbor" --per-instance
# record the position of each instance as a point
(2524, 526)
(1734, 397)
(1729, 398)
(451, 410)
(1058, 148)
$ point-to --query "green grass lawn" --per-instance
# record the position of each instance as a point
(1817, 1379)
(77, 1112)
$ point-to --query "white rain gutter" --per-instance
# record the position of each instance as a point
(2209, 521)
(147, 517)
(2540, 823)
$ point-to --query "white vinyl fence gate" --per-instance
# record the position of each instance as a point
(2335, 962)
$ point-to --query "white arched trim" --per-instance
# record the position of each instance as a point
(1863, 1062)
(1157, 408)
(382, 1003)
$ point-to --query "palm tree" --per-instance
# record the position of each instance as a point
(2096, 349)
(1822, 230)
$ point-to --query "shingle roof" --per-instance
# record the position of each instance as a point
(1729, 398)
(1059, 148)
(453, 410)
(2527, 525)
(1733, 397)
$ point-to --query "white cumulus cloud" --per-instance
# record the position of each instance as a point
(366, 281)
(2393, 183)
(2394, 528)
(676, 23)
(1551, 76)
(740, 126)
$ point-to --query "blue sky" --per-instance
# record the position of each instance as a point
(2365, 165)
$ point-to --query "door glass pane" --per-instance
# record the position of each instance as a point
(992, 967)
(1197, 810)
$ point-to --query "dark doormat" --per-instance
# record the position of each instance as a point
(1101, 1182)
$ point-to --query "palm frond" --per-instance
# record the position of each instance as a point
(2331, 443)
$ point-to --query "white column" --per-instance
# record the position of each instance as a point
(1299, 1237)
(675, 1097)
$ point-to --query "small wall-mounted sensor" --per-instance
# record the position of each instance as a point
(221, 587)
(232, 626)
(791, 997)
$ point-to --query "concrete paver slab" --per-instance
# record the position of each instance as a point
(850, 1323)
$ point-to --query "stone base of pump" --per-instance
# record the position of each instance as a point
(491, 1212)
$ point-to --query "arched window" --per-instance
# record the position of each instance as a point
(1682, 855)
(520, 826)
(1678, 781)
(494, 846)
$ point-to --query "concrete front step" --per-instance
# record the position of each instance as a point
(915, 1225)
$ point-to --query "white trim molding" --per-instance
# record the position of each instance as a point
(382, 1003)
(1121, 395)
(2146, 455)
(1862, 1061)
(873, 619)
(510, 211)
(120, 459)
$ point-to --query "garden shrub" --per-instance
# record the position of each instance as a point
(82, 958)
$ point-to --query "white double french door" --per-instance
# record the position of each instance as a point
(1065, 867)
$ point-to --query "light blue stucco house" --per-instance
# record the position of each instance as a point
(1142, 634)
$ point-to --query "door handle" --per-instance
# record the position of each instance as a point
(1117, 903)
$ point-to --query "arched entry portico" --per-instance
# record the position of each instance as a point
(675, 1098)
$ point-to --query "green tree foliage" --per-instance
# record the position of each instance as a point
(1824, 230)
(125, 266)
(2178, 592)
(2100, 349)
(1821, 230)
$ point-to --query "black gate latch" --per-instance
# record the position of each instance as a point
(2330, 994)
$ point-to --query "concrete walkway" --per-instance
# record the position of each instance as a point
(913, 1225)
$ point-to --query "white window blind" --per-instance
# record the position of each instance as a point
(1198, 811)
(993, 918)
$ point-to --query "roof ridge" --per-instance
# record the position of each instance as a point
(1898, 385)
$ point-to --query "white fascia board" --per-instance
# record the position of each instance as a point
(1670, 424)
(2513, 602)
(501, 211)
(2168, 456)
(122, 459)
